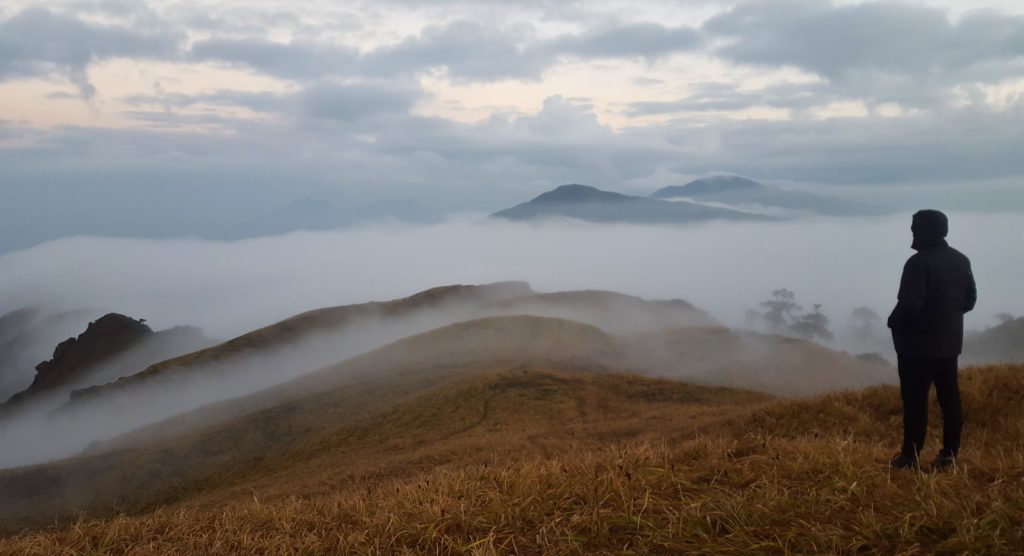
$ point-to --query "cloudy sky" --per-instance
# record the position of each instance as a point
(478, 104)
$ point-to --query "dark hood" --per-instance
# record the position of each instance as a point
(930, 228)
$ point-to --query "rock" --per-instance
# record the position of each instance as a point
(103, 339)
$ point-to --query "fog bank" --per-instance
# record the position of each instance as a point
(228, 288)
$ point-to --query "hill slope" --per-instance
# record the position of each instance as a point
(612, 312)
(773, 364)
(208, 448)
(292, 348)
(236, 432)
(307, 332)
(278, 353)
(539, 461)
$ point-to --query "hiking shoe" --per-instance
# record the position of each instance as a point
(903, 461)
(943, 463)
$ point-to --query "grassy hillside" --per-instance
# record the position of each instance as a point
(712, 356)
(612, 312)
(167, 461)
(774, 364)
(313, 325)
(369, 322)
(364, 427)
(656, 338)
(532, 459)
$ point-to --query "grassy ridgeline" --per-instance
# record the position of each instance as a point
(537, 460)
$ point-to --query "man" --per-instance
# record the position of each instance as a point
(927, 325)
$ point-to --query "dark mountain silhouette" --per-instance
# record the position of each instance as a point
(27, 336)
(111, 346)
(106, 337)
(591, 204)
(746, 194)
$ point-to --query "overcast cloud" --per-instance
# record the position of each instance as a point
(840, 42)
(38, 43)
(159, 119)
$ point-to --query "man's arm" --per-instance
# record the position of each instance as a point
(913, 290)
(972, 290)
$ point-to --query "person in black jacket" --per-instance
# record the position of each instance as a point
(936, 289)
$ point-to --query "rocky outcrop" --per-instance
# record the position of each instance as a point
(27, 336)
(103, 339)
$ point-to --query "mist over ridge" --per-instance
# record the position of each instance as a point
(228, 288)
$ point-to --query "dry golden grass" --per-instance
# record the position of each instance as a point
(359, 427)
(537, 461)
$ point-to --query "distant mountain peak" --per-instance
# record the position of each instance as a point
(583, 202)
(746, 194)
(709, 185)
(577, 193)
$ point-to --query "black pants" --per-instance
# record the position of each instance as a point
(916, 377)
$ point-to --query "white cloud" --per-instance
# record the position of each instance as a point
(231, 287)
(364, 101)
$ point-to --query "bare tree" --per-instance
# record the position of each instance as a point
(812, 325)
(780, 307)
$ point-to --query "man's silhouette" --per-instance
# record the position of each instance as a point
(927, 325)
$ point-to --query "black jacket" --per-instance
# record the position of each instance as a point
(936, 290)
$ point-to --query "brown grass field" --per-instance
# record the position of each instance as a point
(555, 460)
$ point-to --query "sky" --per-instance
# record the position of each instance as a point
(475, 105)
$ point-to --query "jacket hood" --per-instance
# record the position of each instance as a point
(929, 228)
(930, 222)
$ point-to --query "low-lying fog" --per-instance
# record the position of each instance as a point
(723, 267)
(232, 288)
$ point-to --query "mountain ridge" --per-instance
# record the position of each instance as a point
(741, 193)
(584, 202)
(709, 185)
